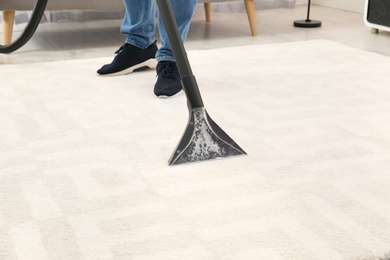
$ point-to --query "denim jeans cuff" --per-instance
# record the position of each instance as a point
(138, 44)
(165, 58)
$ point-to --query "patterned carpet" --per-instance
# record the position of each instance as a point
(84, 172)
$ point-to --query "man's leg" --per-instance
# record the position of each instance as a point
(140, 47)
(168, 81)
(138, 25)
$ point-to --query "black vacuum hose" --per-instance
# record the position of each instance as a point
(29, 30)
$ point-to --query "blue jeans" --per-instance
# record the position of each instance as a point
(139, 24)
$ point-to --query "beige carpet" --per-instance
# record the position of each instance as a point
(84, 173)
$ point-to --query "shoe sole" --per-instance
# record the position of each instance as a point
(166, 97)
(148, 64)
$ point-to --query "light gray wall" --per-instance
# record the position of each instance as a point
(349, 5)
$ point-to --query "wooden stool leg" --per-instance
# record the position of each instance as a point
(251, 11)
(8, 26)
(207, 9)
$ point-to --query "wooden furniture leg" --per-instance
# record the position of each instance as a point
(8, 26)
(251, 12)
(207, 9)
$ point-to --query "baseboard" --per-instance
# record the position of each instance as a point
(301, 2)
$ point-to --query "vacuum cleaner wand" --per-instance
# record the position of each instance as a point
(203, 139)
(192, 93)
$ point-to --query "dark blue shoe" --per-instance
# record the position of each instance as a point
(168, 82)
(130, 58)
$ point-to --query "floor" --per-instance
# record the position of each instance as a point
(84, 174)
(81, 40)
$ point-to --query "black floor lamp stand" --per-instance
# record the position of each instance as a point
(307, 23)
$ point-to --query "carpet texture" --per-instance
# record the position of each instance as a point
(84, 173)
